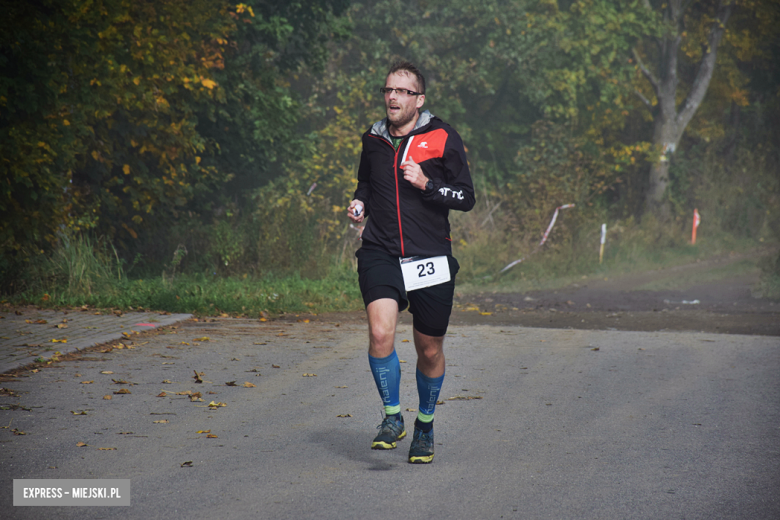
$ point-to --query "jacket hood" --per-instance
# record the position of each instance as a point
(380, 127)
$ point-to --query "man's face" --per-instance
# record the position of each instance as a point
(401, 108)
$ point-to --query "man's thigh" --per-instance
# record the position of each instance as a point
(379, 276)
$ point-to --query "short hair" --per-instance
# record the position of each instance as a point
(410, 69)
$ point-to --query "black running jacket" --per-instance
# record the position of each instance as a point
(405, 221)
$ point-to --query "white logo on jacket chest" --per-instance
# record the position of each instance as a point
(455, 194)
(424, 144)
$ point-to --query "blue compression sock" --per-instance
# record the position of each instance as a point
(428, 389)
(387, 376)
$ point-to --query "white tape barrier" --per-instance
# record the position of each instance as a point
(544, 237)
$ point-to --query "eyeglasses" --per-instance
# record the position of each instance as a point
(402, 91)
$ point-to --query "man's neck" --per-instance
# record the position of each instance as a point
(403, 130)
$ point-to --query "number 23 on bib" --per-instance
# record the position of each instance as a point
(424, 272)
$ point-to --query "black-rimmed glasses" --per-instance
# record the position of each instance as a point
(402, 91)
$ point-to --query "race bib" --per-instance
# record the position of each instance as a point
(425, 272)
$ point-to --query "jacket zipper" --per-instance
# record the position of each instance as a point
(398, 198)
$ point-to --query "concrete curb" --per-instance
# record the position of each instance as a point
(34, 333)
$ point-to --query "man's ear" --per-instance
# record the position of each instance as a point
(420, 100)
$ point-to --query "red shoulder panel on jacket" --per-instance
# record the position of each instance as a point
(429, 145)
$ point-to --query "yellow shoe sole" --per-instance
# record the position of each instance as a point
(381, 445)
(427, 459)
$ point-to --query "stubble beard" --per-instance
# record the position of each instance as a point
(401, 119)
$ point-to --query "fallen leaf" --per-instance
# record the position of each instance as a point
(345, 415)
(204, 338)
(196, 377)
(107, 449)
(595, 349)
(211, 436)
(340, 386)
(80, 412)
(187, 464)
(276, 366)
(439, 402)
(87, 382)
(161, 421)
(63, 340)
(309, 375)
(486, 313)
(411, 409)
(62, 325)
(121, 382)
(404, 341)
(186, 392)
(214, 405)
(247, 384)
(196, 397)
(402, 361)
(231, 383)
(464, 397)
(166, 382)
(41, 322)
(81, 444)
(123, 391)
(161, 394)
(106, 372)
(203, 431)
(18, 432)
(107, 397)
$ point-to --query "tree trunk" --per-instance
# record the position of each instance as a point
(669, 120)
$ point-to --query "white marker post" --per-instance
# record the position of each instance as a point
(603, 239)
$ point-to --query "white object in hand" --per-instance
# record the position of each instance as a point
(358, 209)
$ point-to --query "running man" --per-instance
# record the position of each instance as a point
(413, 170)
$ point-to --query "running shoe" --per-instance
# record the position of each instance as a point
(390, 431)
(421, 450)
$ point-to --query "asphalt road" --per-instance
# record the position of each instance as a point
(544, 423)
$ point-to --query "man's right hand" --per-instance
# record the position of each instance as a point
(354, 206)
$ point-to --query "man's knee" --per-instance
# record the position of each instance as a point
(428, 347)
(381, 334)
(382, 319)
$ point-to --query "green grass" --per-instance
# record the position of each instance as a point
(631, 253)
(88, 272)
(212, 296)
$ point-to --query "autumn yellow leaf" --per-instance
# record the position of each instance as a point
(126, 169)
(209, 84)
(247, 384)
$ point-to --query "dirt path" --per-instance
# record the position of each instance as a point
(709, 296)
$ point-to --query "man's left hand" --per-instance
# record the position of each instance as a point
(414, 174)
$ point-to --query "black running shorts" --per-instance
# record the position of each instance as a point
(379, 275)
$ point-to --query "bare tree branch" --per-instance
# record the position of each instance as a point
(649, 75)
(706, 66)
(646, 101)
